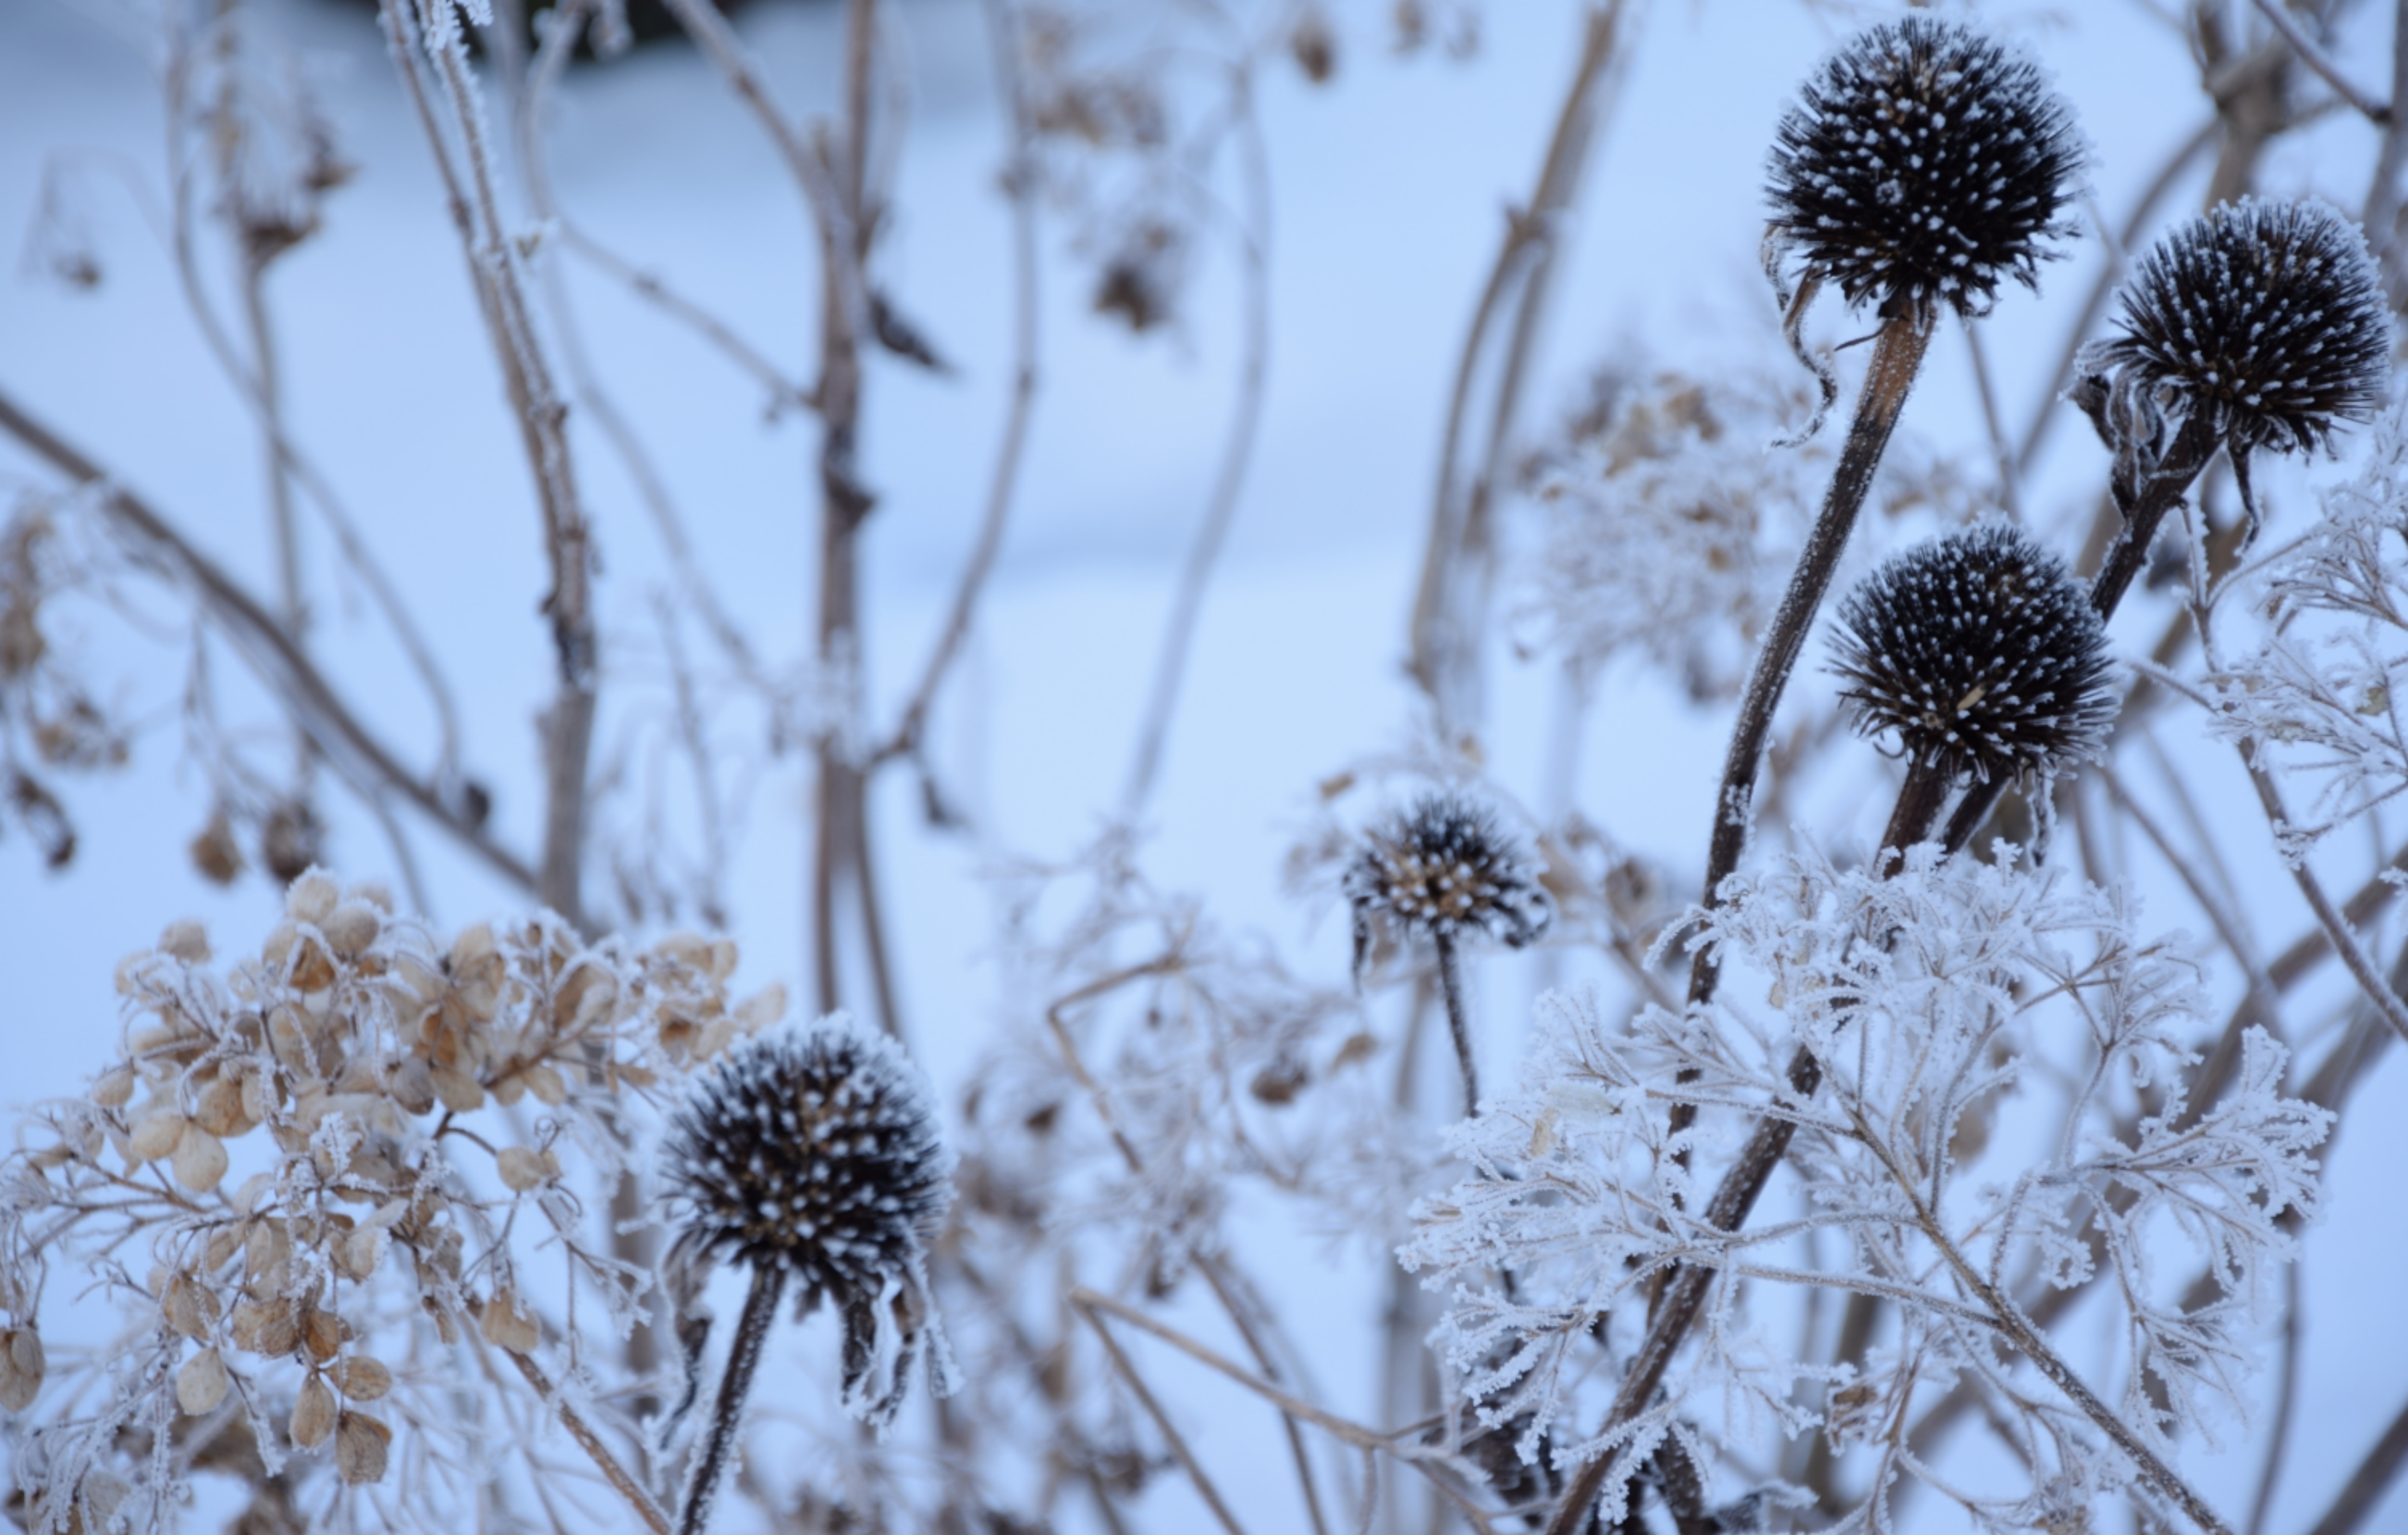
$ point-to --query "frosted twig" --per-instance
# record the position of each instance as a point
(2313, 57)
(261, 642)
(1186, 1457)
(590, 1442)
(1020, 191)
(2363, 1492)
(2352, 954)
(1253, 367)
(1443, 651)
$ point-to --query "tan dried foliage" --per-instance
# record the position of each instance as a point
(290, 1136)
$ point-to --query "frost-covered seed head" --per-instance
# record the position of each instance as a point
(2263, 315)
(1444, 868)
(814, 1149)
(1983, 652)
(1922, 162)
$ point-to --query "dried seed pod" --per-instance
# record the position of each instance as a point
(361, 1444)
(1922, 162)
(1984, 655)
(812, 1150)
(313, 1413)
(201, 1383)
(2264, 319)
(1445, 870)
(22, 1367)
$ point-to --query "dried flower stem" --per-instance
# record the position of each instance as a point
(1897, 353)
(2352, 954)
(2363, 1492)
(1179, 1449)
(1445, 650)
(726, 1414)
(1450, 978)
(366, 761)
(1019, 191)
(590, 1442)
(2313, 57)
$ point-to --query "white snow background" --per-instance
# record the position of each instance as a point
(1390, 186)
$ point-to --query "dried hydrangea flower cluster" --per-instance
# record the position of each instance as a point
(1983, 652)
(341, 1155)
(1921, 165)
(1443, 871)
(2265, 319)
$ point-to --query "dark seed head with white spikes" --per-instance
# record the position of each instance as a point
(814, 1149)
(1442, 870)
(2264, 316)
(1983, 652)
(1920, 164)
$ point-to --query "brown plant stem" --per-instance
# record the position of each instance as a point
(1449, 607)
(590, 1442)
(1450, 980)
(364, 760)
(728, 1413)
(2364, 1490)
(1897, 353)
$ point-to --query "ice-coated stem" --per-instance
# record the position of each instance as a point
(1897, 353)
(743, 1357)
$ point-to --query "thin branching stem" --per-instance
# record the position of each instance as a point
(735, 1384)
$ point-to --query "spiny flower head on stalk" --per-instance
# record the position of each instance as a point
(1983, 652)
(1921, 164)
(1440, 870)
(2263, 317)
(814, 1149)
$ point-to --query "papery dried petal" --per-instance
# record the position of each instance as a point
(363, 1378)
(201, 1383)
(22, 1367)
(200, 1159)
(361, 1446)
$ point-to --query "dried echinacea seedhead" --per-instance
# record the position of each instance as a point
(1982, 654)
(2263, 321)
(810, 1153)
(1921, 164)
(1440, 871)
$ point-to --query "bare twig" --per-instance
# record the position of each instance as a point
(1253, 367)
(2313, 57)
(2011, 496)
(364, 760)
(2352, 954)
(2286, 1387)
(2363, 1492)
(1020, 190)
(1444, 654)
(590, 1442)
(1186, 1457)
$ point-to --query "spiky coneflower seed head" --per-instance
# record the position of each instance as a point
(1441, 869)
(1983, 652)
(2265, 316)
(1921, 164)
(815, 1150)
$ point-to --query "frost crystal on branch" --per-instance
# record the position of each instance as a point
(1982, 652)
(1932, 998)
(1921, 164)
